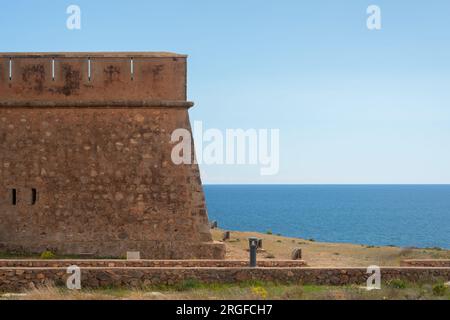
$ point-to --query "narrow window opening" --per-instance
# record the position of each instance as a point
(10, 69)
(89, 69)
(132, 69)
(14, 197)
(33, 196)
(53, 69)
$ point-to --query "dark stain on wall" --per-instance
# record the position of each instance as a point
(33, 77)
(72, 80)
(112, 73)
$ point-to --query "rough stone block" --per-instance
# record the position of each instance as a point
(133, 255)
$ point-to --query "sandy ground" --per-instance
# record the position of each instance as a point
(321, 254)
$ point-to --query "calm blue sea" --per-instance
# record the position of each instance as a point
(401, 215)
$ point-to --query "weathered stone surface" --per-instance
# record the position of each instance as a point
(89, 158)
(133, 255)
(110, 263)
(139, 277)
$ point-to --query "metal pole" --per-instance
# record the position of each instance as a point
(253, 244)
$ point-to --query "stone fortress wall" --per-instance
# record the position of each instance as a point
(85, 157)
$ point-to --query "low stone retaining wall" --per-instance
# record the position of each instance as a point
(148, 263)
(437, 263)
(18, 279)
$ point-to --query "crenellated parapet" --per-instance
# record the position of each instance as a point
(92, 77)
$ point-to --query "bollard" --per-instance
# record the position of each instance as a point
(296, 254)
(214, 224)
(226, 236)
(253, 243)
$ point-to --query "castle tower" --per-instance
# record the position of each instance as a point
(85, 157)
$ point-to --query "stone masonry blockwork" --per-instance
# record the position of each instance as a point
(85, 161)
(19, 279)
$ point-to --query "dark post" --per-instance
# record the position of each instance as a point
(296, 254)
(226, 236)
(253, 243)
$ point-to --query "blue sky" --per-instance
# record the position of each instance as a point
(352, 105)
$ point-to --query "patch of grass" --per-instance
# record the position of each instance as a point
(269, 232)
(313, 288)
(259, 292)
(291, 293)
(254, 283)
(189, 284)
(440, 290)
(17, 255)
(435, 248)
(114, 291)
(248, 290)
(47, 255)
(397, 284)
